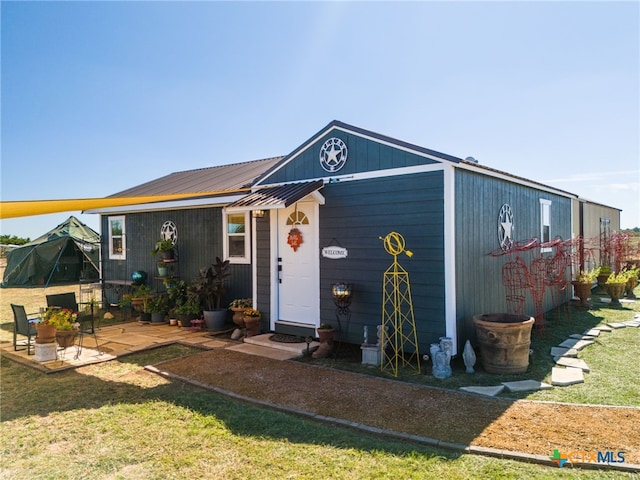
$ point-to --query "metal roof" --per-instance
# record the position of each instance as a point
(280, 196)
(223, 177)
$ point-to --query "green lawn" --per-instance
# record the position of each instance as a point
(118, 421)
(611, 380)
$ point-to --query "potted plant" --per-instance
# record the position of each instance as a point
(187, 311)
(64, 321)
(252, 321)
(603, 275)
(615, 286)
(632, 273)
(140, 295)
(326, 333)
(158, 307)
(583, 283)
(209, 287)
(165, 248)
(238, 306)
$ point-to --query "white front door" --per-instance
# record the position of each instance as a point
(298, 292)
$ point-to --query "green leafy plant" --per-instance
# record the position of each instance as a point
(588, 276)
(209, 286)
(164, 245)
(241, 303)
(190, 307)
(325, 326)
(158, 304)
(620, 277)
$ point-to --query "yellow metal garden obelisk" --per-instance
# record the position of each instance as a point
(398, 323)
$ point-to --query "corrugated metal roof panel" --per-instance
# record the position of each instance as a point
(223, 177)
(280, 196)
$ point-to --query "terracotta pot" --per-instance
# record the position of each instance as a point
(616, 291)
(46, 333)
(504, 341)
(253, 325)
(583, 292)
(66, 338)
(238, 316)
(326, 335)
(632, 283)
(602, 281)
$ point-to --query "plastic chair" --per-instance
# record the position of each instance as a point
(24, 326)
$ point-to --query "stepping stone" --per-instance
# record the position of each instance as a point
(594, 332)
(577, 344)
(616, 325)
(526, 385)
(562, 377)
(563, 352)
(580, 336)
(632, 323)
(603, 328)
(489, 391)
(573, 363)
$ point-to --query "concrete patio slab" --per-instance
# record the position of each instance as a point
(526, 385)
(592, 332)
(261, 351)
(572, 362)
(561, 377)
(581, 336)
(563, 352)
(577, 344)
(488, 391)
(604, 328)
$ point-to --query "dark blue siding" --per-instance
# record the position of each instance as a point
(199, 242)
(355, 215)
(478, 274)
(364, 155)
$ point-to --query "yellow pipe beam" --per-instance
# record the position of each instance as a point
(26, 208)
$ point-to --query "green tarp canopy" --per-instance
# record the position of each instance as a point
(68, 253)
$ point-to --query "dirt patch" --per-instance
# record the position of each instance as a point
(521, 426)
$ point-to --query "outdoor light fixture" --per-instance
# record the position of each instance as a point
(258, 213)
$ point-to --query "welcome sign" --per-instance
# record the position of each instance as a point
(334, 252)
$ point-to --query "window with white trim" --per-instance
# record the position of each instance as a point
(545, 223)
(117, 235)
(236, 237)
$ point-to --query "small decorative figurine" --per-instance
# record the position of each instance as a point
(469, 357)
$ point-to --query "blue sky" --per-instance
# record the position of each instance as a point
(101, 96)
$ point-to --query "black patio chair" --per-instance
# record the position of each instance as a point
(68, 301)
(24, 326)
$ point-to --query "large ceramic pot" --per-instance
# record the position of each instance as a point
(504, 341)
(215, 319)
(157, 318)
(583, 292)
(616, 291)
(45, 333)
(66, 338)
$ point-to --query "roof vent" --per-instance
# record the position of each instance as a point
(471, 159)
